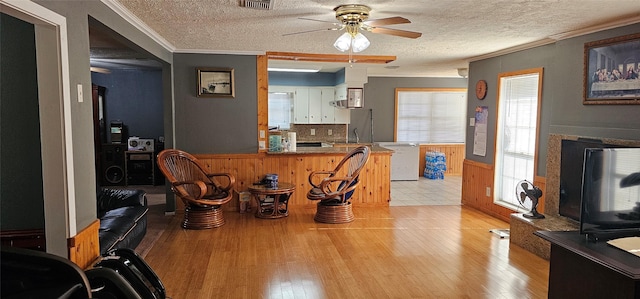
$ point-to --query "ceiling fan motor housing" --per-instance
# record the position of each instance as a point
(352, 14)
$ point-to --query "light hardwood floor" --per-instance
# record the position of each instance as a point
(395, 252)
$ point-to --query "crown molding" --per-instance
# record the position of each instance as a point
(597, 28)
(204, 51)
(510, 50)
(560, 36)
(139, 24)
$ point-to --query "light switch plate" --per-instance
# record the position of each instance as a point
(313, 132)
(329, 132)
(261, 144)
(262, 135)
(80, 96)
(472, 122)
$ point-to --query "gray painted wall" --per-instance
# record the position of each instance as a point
(77, 15)
(133, 96)
(562, 111)
(216, 125)
(379, 103)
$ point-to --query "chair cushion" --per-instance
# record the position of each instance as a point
(218, 195)
(317, 194)
(316, 191)
(350, 193)
(336, 201)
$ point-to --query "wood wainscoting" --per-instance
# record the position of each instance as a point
(84, 247)
(374, 188)
(476, 177)
(453, 152)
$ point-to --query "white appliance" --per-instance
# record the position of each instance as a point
(404, 161)
(140, 144)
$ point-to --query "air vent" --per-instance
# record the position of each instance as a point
(256, 4)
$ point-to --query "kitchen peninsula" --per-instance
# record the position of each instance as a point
(294, 167)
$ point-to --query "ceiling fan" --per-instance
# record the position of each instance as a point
(353, 18)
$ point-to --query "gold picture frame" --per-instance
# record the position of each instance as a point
(215, 82)
(611, 71)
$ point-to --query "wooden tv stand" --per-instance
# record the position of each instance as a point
(584, 269)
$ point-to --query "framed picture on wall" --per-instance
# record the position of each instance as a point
(215, 82)
(611, 69)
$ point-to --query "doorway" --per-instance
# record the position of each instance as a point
(128, 96)
(57, 163)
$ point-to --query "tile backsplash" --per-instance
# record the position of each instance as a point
(333, 133)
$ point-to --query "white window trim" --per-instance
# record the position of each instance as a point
(497, 185)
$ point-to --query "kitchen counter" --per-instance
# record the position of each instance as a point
(336, 149)
(374, 188)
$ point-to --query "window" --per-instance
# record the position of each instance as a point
(430, 115)
(516, 137)
(280, 109)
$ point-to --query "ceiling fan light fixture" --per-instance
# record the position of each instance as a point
(360, 43)
(343, 43)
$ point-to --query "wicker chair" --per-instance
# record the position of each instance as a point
(333, 189)
(203, 193)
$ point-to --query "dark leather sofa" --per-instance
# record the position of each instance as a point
(123, 218)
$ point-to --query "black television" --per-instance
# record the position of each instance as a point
(571, 165)
(610, 206)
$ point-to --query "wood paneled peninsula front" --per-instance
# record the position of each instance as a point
(295, 166)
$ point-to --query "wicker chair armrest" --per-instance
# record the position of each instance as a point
(315, 175)
(231, 180)
(329, 182)
(201, 185)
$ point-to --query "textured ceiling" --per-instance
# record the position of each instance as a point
(453, 31)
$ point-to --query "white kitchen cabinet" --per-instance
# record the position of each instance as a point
(301, 106)
(328, 111)
(313, 105)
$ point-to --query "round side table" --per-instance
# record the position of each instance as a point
(272, 202)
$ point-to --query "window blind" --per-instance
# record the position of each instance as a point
(516, 136)
(431, 116)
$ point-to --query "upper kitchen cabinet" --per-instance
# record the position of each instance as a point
(301, 106)
(314, 96)
(327, 96)
(315, 105)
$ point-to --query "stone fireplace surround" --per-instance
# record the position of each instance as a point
(522, 229)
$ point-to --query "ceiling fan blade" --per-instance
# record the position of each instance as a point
(309, 31)
(316, 20)
(387, 21)
(396, 32)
